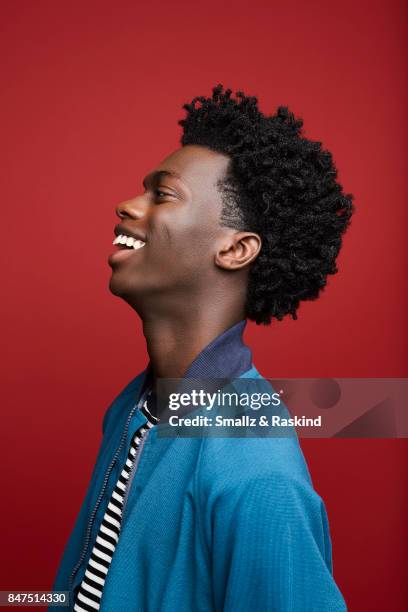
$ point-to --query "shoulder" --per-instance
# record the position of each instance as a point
(267, 470)
(230, 461)
(227, 464)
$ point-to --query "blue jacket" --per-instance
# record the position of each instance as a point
(210, 524)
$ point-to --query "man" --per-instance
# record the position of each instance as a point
(242, 222)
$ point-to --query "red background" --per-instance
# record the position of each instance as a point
(91, 97)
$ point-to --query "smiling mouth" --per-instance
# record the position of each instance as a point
(127, 242)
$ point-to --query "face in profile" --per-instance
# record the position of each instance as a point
(175, 224)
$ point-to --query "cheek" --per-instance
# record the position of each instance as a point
(185, 237)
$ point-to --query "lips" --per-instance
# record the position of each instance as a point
(120, 255)
(127, 242)
(125, 231)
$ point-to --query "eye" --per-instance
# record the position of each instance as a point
(163, 194)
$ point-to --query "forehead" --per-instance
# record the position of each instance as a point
(197, 166)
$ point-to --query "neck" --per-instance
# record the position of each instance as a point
(174, 343)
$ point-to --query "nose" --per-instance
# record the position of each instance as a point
(133, 209)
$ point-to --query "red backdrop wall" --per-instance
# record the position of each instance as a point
(91, 97)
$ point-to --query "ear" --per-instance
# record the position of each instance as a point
(238, 250)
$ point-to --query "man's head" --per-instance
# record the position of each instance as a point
(187, 252)
(246, 210)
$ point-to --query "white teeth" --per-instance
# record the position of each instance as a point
(138, 244)
(129, 241)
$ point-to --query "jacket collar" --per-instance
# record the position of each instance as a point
(224, 357)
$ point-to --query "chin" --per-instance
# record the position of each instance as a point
(118, 287)
(124, 290)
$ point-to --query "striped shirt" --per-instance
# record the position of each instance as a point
(90, 591)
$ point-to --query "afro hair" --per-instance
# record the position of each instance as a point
(280, 185)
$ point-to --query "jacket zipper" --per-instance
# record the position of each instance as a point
(101, 494)
(133, 471)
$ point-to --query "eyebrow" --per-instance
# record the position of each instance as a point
(154, 177)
